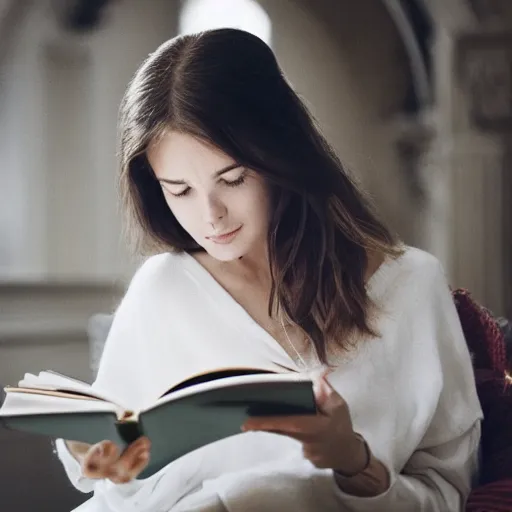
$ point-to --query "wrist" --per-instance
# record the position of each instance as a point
(356, 458)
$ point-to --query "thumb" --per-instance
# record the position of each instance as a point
(327, 399)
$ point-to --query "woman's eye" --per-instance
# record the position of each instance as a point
(182, 193)
(235, 183)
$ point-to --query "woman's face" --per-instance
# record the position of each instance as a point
(224, 207)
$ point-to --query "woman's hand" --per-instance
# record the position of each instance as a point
(328, 439)
(105, 460)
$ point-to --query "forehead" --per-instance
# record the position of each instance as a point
(174, 154)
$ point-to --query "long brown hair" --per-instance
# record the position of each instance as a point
(225, 87)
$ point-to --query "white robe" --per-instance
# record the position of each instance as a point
(411, 394)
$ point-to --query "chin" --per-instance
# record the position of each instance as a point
(224, 253)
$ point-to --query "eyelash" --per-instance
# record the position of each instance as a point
(236, 183)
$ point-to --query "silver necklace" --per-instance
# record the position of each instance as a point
(304, 364)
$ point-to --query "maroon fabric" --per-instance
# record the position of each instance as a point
(495, 497)
(488, 350)
(483, 335)
(487, 346)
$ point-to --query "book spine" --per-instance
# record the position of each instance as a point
(129, 431)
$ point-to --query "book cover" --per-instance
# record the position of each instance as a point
(200, 410)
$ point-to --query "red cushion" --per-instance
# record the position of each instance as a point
(483, 335)
(495, 497)
(487, 346)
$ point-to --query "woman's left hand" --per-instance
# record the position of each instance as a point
(327, 438)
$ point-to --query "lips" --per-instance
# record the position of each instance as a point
(225, 236)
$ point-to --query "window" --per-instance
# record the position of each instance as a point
(248, 15)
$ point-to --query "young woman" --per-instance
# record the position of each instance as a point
(268, 255)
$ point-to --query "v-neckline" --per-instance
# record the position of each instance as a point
(221, 297)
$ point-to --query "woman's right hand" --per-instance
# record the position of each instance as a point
(105, 460)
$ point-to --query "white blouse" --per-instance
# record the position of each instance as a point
(411, 394)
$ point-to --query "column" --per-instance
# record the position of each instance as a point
(466, 171)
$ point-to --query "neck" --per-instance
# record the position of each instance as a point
(254, 267)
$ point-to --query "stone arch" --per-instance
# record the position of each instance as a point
(414, 25)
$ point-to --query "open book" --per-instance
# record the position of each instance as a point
(200, 410)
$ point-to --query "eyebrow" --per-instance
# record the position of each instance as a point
(217, 174)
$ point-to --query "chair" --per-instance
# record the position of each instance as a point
(487, 339)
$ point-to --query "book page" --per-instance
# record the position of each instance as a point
(227, 382)
(209, 376)
(30, 403)
(48, 380)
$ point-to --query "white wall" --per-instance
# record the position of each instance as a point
(60, 234)
(134, 30)
(346, 59)
(58, 115)
(22, 186)
(59, 100)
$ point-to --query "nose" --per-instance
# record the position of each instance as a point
(214, 210)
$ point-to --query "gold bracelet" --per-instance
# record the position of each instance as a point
(366, 465)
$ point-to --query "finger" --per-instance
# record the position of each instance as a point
(139, 464)
(137, 459)
(303, 438)
(133, 455)
(318, 373)
(141, 442)
(99, 457)
(328, 400)
(289, 424)
(118, 476)
(313, 449)
(102, 460)
(321, 391)
(129, 469)
(317, 454)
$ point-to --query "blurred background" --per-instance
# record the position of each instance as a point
(415, 95)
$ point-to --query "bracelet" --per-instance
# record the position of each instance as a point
(366, 465)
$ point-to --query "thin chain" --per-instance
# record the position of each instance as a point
(304, 364)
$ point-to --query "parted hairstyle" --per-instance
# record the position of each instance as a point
(225, 88)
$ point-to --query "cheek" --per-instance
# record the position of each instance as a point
(183, 213)
(260, 203)
(255, 208)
